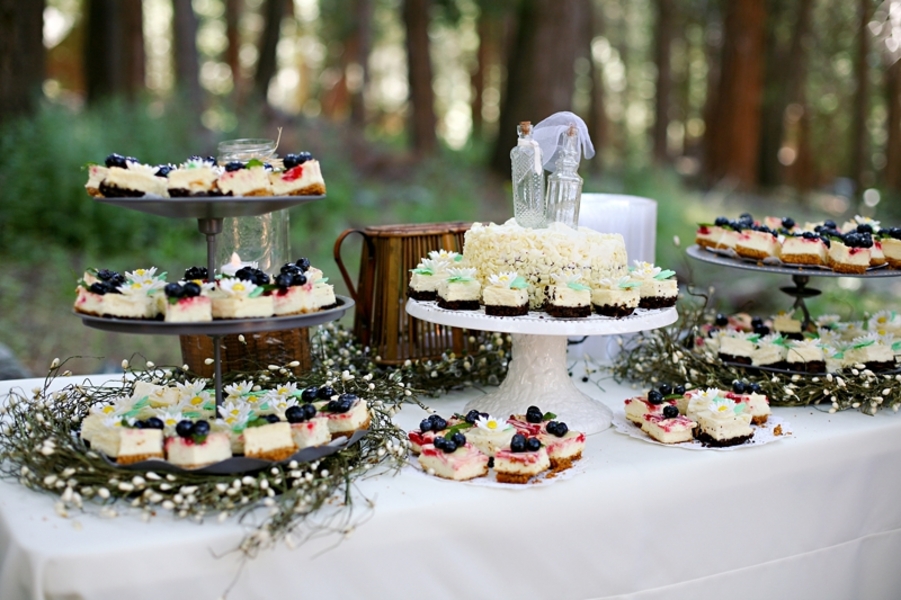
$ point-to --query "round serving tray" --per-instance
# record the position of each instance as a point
(219, 327)
(216, 207)
(541, 323)
(713, 258)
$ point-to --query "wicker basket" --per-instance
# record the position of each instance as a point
(380, 321)
(249, 351)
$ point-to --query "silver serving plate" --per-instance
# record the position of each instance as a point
(213, 207)
(244, 464)
(220, 326)
(713, 258)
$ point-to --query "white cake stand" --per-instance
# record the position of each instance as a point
(538, 373)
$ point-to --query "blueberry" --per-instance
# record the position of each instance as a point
(534, 415)
(303, 263)
(164, 171)
(284, 280)
(746, 218)
(826, 241)
(665, 389)
(289, 268)
(895, 232)
(655, 397)
(439, 442)
(106, 275)
(755, 321)
(458, 438)
(425, 425)
(333, 406)
(344, 405)
(290, 161)
(762, 330)
(234, 165)
(854, 240)
(562, 429)
(325, 392)
(518, 443)
(484, 415)
(830, 224)
(349, 397)
(449, 446)
(201, 428)
(679, 389)
(100, 287)
(139, 424)
(866, 240)
(184, 428)
(309, 394)
(864, 228)
(670, 412)
(116, 160)
(472, 416)
(551, 427)
(260, 278)
(439, 424)
(196, 273)
(739, 386)
(271, 418)
(809, 235)
(174, 290)
(788, 222)
(721, 221)
(303, 157)
(244, 273)
(298, 279)
(309, 411)
(154, 423)
(721, 320)
(294, 414)
(191, 290)
(755, 387)
(533, 445)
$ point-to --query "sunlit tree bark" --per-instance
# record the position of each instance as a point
(540, 68)
(422, 121)
(133, 55)
(273, 11)
(187, 63)
(662, 52)
(893, 125)
(102, 56)
(860, 163)
(233, 49)
(22, 56)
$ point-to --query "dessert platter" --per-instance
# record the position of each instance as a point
(858, 248)
(542, 285)
(698, 419)
(528, 448)
(202, 301)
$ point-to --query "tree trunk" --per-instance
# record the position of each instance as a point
(737, 120)
(267, 64)
(597, 115)
(785, 75)
(663, 45)
(540, 70)
(479, 76)
(358, 50)
(133, 56)
(22, 56)
(419, 73)
(103, 61)
(859, 146)
(233, 49)
(893, 144)
(187, 63)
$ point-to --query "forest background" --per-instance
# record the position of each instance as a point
(774, 107)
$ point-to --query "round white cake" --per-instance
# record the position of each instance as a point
(536, 254)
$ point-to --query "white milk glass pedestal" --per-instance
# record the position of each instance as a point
(538, 373)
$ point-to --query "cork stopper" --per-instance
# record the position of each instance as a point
(525, 127)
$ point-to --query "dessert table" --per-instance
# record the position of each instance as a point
(812, 516)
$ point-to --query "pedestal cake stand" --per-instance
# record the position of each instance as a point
(209, 213)
(538, 373)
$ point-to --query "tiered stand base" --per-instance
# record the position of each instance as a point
(538, 373)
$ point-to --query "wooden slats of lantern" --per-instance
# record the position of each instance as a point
(250, 351)
(380, 320)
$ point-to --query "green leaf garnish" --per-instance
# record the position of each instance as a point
(665, 274)
(549, 416)
(253, 162)
(519, 283)
(258, 291)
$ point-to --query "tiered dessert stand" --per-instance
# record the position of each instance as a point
(800, 275)
(209, 213)
(538, 373)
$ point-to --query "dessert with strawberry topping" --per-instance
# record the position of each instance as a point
(295, 290)
(302, 177)
(669, 427)
(195, 445)
(269, 438)
(525, 458)
(429, 429)
(346, 414)
(564, 446)
(808, 248)
(186, 303)
(652, 403)
(307, 429)
(758, 243)
(453, 458)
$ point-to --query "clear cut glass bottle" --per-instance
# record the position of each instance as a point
(564, 186)
(528, 180)
(262, 241)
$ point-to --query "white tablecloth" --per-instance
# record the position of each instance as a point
(814, 516)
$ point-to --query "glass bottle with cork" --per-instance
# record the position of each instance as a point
(528, 179)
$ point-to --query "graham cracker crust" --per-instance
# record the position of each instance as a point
(843, 268)
(316, 189)
(136, 458)
(760, 420)
(497, 310)
(562, 464)
(276, 455)
(707, 440)
(801, 259)
(422, 295)
(350, 432)
(752, 253)
(512, 478)
(568, 312)
(893, 264)
(617, 311)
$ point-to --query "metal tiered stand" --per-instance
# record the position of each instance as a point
(800, 275)
(538, 373)
(209, 213)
